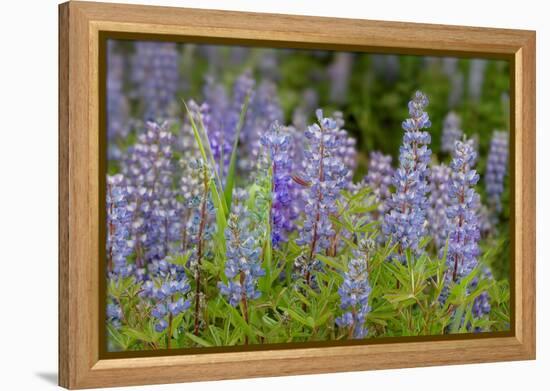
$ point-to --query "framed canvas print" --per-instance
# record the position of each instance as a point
(248, 195)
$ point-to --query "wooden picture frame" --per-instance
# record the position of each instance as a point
(80, 27)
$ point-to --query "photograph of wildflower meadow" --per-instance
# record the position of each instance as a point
(262, 196)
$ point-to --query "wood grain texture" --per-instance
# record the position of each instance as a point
(80, 23)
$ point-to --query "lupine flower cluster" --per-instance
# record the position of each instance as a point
(307, 237)
(347, 150)
(482, 303)
(243, 267)
(166, 289)
(355, 290)
(496, 169)
(147, 172)
(405, 220)
(325, 175)
(119, 218)
(114, 315)
(463, 248)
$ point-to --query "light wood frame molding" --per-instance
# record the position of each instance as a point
(80, 24)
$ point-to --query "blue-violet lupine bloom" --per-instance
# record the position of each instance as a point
(354, 293)
(451, 132)
(277, 142)
(347, 150)
(243, 264)
(324, 176)
(155, 73)
(167, 289)
(482, 303)
(148, 173)
(119, 219)
(463, 250)
(438, 223)
(406, 214)
(114, 315)
(496, 169)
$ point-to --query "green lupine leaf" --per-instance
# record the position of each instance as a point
(180, 259)
(136, 334)
(198, 340)
(332, 262)
(230, 179)
(300, 317)
(206, 153)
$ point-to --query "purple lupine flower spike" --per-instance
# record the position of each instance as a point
(148, 173)
(324, 176)
(277, 142)
(243, 264)
(166, 289)
(497, 163)
(405, 218)
(119, 218)
(347, 145)
(482, 303)
(463, 250)
(355, 291)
